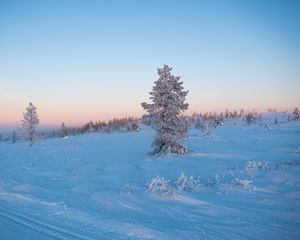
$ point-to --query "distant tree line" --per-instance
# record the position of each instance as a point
(205, 122)
(128, 124)
(30, 134)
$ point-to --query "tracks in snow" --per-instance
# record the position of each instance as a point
(41, 227)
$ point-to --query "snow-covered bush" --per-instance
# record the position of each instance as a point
(296, 114)
(218, 122)
(63, 131)
(203, 126)
(250, 118)
(186, 183)
(159, 186)
(165, 113)
(14, 137)
(243, 182)
(252, 165)
(255, 165)
(253, 117)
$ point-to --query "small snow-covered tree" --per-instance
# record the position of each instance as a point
(203, 125)
(14, 137)
(164, 113)
(63, 131)
(250, 118)
(29, 122)
(296, 114)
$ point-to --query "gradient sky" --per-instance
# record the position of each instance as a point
(89, 60)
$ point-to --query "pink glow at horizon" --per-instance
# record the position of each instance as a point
(76, 115)
(51, 115)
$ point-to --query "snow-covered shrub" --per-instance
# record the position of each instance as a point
(159, 186)
(208, 121)
(209, 182)
(202, 125)
(63, 131)
(256, 165)
(186, 183)
(14, 137)
(243, 182)
(296, 114)
(253, 117)
(134, 127)
(252, 165)
(218, 122)
(250, 118)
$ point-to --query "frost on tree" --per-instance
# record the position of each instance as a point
(29, 122)
(164, 113)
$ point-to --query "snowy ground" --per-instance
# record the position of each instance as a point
(93, 186)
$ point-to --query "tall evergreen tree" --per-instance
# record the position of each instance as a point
(164, 113)
(29, 122)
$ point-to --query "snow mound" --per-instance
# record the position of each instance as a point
(129, 189)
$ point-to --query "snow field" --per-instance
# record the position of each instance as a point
(241, 182)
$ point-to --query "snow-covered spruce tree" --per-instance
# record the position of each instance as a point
(29, 122)
(164, 113)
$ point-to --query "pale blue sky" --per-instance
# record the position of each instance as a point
(89, 60)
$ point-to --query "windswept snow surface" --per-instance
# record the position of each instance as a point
(246, 185)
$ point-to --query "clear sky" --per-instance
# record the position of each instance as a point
(81, 60)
